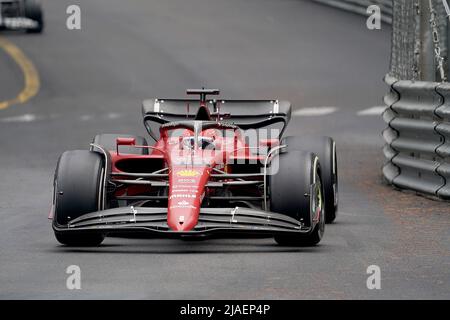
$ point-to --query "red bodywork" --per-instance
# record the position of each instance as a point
(189, 165)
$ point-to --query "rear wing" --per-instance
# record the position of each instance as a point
(246, 114)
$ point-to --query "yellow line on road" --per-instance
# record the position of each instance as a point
(30, 74)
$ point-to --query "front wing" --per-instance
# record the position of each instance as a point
(212, 221)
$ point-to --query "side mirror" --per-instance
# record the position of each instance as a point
(124, 142)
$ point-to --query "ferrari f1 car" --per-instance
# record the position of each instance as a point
(213, 170)
(21, 15)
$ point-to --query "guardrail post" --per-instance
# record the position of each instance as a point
(426, 58)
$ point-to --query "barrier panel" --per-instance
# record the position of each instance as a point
(417, 148)
(360, 6)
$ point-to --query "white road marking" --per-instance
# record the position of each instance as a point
(304, 112)
(313, 112)
(113, 115)
(374, 111)
(28, 117)
(85, 117)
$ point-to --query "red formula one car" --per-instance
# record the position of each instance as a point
(217, 168)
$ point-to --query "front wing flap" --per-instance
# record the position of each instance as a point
(211, 221)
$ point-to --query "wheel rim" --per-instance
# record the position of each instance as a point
(335, 177)
(319, 204)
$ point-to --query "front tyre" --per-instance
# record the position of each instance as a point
(316, 235)
(296, 190)
(78, 189)
(325, 149)
(33, 11)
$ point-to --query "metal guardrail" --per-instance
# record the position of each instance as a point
(417, 148)
(360, 6)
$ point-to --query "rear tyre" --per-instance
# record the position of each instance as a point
(325, 149)
(78, 190)
(33, 11)
(290, 194)
(108, 142)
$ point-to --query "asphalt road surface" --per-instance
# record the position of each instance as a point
(93, 80)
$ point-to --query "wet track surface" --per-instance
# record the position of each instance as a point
(94, 80)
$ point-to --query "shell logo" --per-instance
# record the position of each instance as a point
(188, 173)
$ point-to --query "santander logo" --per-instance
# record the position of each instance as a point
(188, 173)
